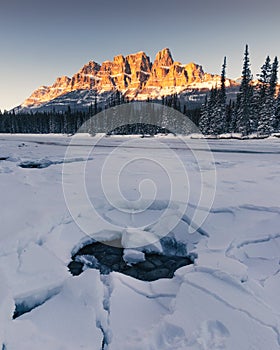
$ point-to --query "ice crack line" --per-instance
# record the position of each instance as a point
(106, 280)
(235, 245)
(260, 208)
(247, 313)
(258, 240)
(146, 294)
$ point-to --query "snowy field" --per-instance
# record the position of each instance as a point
(228, 299)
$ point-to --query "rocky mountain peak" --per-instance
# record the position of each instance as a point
(160, 68)
(90, 68)
(195, 72)
(134, 75)
(62, 81)
(164, 58)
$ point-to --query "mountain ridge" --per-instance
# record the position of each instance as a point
(134, 75)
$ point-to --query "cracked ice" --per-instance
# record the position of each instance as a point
(229, 298)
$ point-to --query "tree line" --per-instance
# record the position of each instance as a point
(256, 108)
(71, 121)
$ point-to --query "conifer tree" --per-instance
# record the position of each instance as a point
(276, 122)
(258, 109)
(233, 121)
(271, 97)
(273, 77)
(243, 105)
(212, 111)
(219, 115)
(267, 97)
(204, 119)
(229, 116)
(255, 109)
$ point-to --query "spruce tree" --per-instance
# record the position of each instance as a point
(229, 116)
(255, 108)
(262, 90)
(274, 101)
(204, 118)
(273, 77)
(243, 107)
(220, 105)
(233, 121)
(276, 124)
(265, 75)
(267, 97)
(271, 98)
(212, 111)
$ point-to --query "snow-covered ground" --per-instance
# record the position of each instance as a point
(228, 299)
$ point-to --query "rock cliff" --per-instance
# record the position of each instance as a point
(134, 75)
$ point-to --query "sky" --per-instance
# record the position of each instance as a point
(41, 40)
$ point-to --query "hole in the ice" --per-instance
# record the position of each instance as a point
(35, 164)
(147, 266)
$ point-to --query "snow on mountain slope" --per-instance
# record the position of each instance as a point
(134, 75)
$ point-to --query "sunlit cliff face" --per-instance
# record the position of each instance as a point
(134, 74)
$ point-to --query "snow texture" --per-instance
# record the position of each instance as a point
(229, 298)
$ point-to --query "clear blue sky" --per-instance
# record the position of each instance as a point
(41, 40)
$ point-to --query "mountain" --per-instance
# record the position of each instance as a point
(135, 76)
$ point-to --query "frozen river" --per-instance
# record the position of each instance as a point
(218, 200)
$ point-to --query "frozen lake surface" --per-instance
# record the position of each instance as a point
(220, 203)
